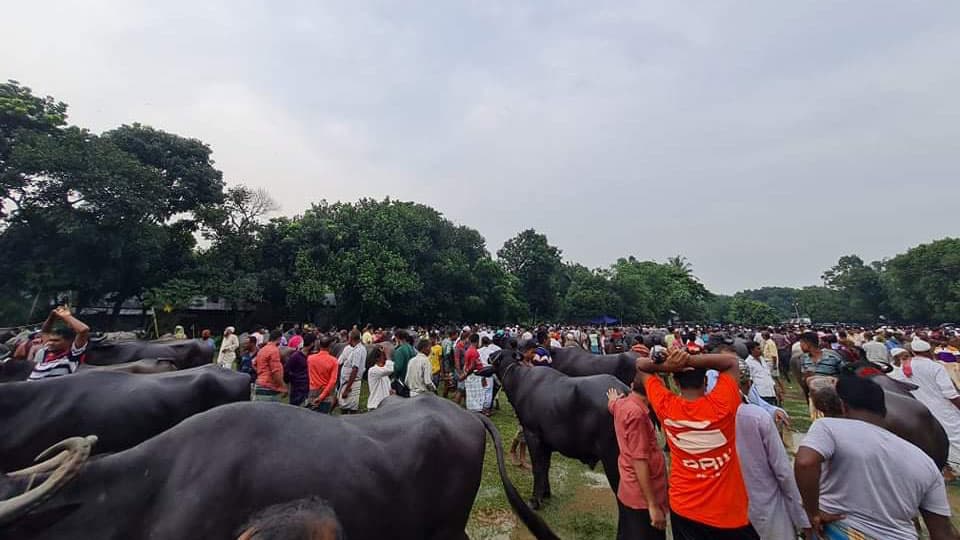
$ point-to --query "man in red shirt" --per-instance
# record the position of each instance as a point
(643, 473)
(269, 385)
(322, 370)
(708, 499)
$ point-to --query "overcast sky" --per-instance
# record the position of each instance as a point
(762, 140)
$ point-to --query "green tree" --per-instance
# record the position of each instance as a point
(680, 264)
(589, 295)
(654, 292)
(102, 203)
(538, 268)
(860, 284)
(751, 312)
(923, 284)
(782, 299)
(822, 304)
(189, 180)
(717, 309)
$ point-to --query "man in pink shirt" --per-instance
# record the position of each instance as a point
(642, 493)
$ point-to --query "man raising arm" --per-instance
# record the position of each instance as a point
(63, 349)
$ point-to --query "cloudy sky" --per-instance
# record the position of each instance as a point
(762, 140)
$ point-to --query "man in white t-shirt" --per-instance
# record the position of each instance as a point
(352, 360)
(378, 378)
(761, 375)
(874, 482)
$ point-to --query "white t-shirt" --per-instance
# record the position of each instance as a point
(352, 356)
(485, 353)
(876, 351)
(878, 480)
(379, 380)
(762, 379)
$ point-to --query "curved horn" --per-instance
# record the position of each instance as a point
(71, 454)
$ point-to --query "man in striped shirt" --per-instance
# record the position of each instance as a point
(63, 349)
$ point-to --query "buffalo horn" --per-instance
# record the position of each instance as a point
(68, 456)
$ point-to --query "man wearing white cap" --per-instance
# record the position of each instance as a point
(936, 391)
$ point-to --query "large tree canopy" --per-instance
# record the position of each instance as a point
(538, 268)
(118, 215)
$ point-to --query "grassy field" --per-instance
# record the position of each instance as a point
(582, 506)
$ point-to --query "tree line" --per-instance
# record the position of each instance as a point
(136, 212)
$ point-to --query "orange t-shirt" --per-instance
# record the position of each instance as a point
(705, 480)
(267, 362)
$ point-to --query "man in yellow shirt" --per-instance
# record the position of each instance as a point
(436, 352)
(367, 337)
(770, 352)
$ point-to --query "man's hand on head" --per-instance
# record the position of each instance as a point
(677, 360)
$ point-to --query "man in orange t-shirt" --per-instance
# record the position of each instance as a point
(322, 370)
(269, 385)
(708, 499)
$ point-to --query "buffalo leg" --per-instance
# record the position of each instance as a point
(546, 477)
(540, 460)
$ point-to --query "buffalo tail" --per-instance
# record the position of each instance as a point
(533, 522)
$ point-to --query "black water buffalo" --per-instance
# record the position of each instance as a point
(122, 409)
(147, 365)
(576, 362)
(15, 369)
(409, 470)
(561, 414)
(184, 353)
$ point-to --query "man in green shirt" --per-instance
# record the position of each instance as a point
(402, 355)
(819, 371)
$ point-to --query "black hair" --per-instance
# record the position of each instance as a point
(810, 337)
(691, 379)
(293, 520)
(275, 334)
(751, 345)
(375, 354)
(308, 340)
(474, 338)
(527, 345)
(485, 340)
(542, 336)
(402, 335)
(64, 332)
(861, 393)
(424, 345)
(324, 341)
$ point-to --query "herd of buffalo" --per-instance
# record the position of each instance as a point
(150, 439)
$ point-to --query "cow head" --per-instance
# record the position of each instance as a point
(68, 456)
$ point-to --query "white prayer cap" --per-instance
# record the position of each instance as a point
(919, 345)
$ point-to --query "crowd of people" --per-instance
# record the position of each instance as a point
(731, 475)
(716, 394)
